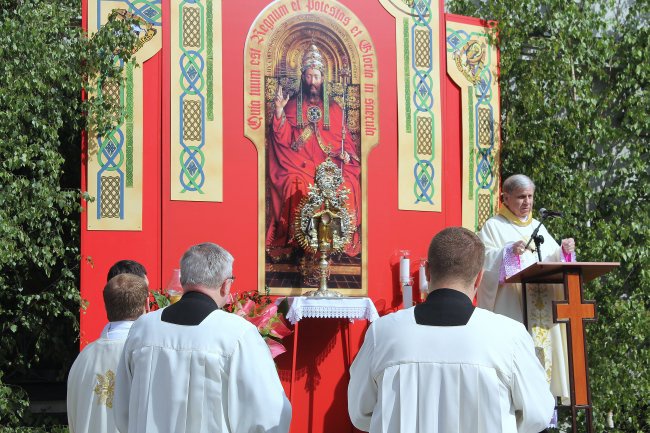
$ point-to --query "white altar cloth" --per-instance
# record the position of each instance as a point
(303, 307)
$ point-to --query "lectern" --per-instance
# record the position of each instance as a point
(574, 311)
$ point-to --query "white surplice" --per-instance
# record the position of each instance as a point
(480, 377)
(217, 376)
(91, 382)
(498, 234)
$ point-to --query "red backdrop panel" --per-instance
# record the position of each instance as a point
(100, 249)
(170, 227)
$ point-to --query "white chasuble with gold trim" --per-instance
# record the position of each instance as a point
(91, 385)
(549, 338)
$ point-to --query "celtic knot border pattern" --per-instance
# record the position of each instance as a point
(111, 203)
(482, 182)
(115, 148)
(191, 27)
(111, 157)
(422, 40)
(195, 65)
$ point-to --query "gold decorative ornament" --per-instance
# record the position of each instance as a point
(105, 388)
(322, 222)
(470, 60)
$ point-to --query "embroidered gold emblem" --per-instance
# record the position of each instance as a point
(105, 388)
(540, 322)
(302, 139)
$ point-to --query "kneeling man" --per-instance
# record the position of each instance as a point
(192, 367)
(446, 366)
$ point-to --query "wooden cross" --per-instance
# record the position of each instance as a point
(575, 312)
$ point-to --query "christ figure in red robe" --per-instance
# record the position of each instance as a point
(307, 129)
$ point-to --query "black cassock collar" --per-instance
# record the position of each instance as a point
(190, 310)
(444, 307)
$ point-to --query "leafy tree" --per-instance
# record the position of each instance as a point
(574, 88)
(44, 59)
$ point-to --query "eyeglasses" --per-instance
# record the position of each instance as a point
(232, 277)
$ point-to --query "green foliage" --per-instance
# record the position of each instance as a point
(52, 429)
(44, 59)
(160, 300)
(574, 88)
(12, 403)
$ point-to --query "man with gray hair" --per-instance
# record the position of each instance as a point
(507, 250)
(191, 367)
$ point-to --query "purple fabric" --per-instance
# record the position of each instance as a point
(568, 257)
(510, 264)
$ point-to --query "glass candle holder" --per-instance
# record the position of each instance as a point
(174, 288)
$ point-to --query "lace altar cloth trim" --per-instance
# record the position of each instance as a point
(301, 307)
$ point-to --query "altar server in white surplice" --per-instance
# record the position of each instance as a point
(445, 366)
(92, 376)
(505, 237)
(192, 367)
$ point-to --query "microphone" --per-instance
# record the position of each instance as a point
(545, 213)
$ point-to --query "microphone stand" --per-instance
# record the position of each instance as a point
(537, 238)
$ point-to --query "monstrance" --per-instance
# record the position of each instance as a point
(322, 222)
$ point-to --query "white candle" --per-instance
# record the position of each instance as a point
(407, 295)
(404, 270)
(423, 280)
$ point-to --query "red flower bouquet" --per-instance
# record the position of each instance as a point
(264, 314)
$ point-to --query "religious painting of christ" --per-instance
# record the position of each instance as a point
(312, 115)
(310, 97)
